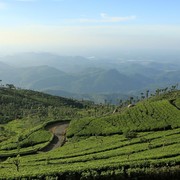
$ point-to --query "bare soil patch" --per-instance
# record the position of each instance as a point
(59, 131)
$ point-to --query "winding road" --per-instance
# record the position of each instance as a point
(59, 131)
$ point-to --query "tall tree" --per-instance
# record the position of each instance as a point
(147, 93)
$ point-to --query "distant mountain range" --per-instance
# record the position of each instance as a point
(81, 77)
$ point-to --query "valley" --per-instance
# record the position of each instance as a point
(97, 80)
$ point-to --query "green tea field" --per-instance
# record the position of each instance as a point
(141, 142)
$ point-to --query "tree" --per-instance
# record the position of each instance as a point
(0, 82)
(142, 95)
(147, 93)
(120, 102)
(130, 100)
(165, 89)
(157, 91)
(105, 101)
(174, 87)
(177, 86)
(10, 86)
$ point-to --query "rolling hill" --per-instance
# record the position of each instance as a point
(76, 76)
(102, 141)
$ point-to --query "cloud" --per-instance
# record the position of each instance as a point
(88, 39)
(107, 19)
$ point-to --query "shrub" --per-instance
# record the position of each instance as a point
(130, 134)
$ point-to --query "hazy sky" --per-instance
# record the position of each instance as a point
(79, 27)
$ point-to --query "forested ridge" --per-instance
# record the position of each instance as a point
(19, 103)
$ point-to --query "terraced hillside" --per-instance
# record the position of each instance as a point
(139, 142)
(24, 114)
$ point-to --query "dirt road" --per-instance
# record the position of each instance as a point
(59, 131)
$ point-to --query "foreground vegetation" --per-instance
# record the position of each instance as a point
(138, 142)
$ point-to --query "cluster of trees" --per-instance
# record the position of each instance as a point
(146, 95)
(17, 104)
(10, 86)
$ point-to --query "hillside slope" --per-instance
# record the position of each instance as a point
(17, 103)
(142, 142)
(24, 115)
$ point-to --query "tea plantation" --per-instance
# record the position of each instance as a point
(133, 143)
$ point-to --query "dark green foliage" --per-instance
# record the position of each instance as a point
(130, 134)
(16, 104)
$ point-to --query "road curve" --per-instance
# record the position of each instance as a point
(59, 131)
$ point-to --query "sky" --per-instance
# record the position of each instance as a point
(89, 27)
